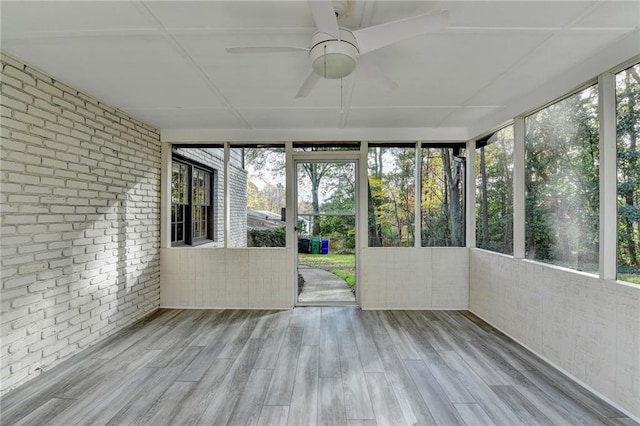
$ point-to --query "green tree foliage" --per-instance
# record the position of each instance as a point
(562, 182)
(391, 194)
(265, 183)
(271, 197)
(441, 199)
(494, 200)
(628, 129)
(340, 228)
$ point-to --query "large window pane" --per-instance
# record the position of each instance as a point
(391, 196)
(494, 193)
(562, 183)
(197, 185)
(628, 111)
(201, 206)
(179, 201)
(258, 196)
(442, 197)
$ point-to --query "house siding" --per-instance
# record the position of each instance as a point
(80, 231)
(214, 158)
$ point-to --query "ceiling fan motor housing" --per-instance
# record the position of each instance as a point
(332, 58)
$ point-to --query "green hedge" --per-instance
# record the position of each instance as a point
(275, 237)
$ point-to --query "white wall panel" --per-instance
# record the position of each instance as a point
(226, 278)
(588, 327)
(414, 278)
(391, 278)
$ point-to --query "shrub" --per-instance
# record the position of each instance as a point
(276, 237)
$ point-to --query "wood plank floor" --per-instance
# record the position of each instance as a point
(335, 365)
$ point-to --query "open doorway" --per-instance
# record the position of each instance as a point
(326, 227)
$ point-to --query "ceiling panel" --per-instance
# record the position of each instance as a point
(445, 69)
(397, 117)
(486, 14)
(612, 14)
(232, 14)
(250, 79)
(29, 17)
(292, 118)
(563, 49)
(199, 118)
(462, 116)
(141, 71)
(165, 61)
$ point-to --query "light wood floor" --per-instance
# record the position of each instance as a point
(303, 367)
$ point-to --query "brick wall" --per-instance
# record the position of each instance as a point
(214, 158)
(80, 197)
(238, 200)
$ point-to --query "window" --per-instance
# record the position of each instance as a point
(442, 196)
(191, 203)
(391, 195)
(201, 201)
(179, 201)
(494, 189)
(562, 183)
(628, 133)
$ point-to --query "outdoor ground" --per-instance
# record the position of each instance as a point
(342, 265)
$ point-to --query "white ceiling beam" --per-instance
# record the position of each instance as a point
(202, 136)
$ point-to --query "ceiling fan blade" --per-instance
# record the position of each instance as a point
(266, 49)
(325, 17)
(371, 71)
(372, 38)
(310, 82)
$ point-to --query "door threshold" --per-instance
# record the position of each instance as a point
(327, 304)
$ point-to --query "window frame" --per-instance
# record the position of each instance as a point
(190, 239)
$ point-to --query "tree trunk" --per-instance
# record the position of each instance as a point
(452, 176)
(629, 195)
(507, 202)
(374, 238)
(530, 246)
(484, 201)
(315, 203)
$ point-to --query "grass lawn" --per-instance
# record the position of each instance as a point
(327, 261)
(635, 279)
(342, 265)
(347, 275)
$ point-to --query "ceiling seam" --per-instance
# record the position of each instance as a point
(181, 50)
(564, 29)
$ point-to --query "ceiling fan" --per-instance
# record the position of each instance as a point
(334, 50)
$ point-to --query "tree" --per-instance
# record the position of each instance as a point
(265, 185)
(391, 194)
(453, 174)
(484, 200)
(316, 172)
(628, 128)
(562, 183)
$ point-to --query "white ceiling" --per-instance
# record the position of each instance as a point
(165, 63)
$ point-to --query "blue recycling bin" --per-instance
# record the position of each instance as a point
(325, 246)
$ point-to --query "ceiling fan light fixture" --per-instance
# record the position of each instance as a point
(331, 58)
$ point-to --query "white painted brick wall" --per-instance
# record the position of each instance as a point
(238, 200)
(214, 158)
(80, 200)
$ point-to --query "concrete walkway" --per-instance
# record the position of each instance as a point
(321, 286)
